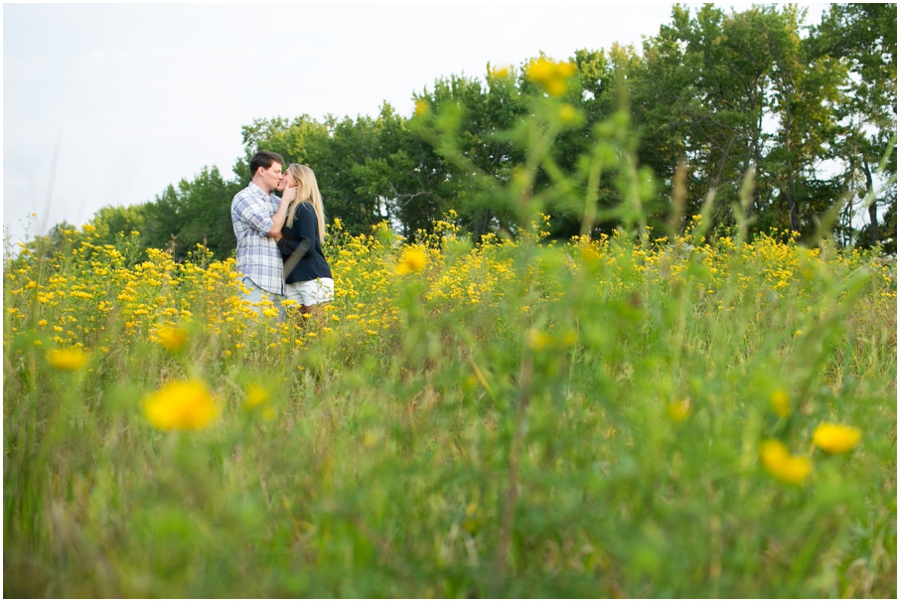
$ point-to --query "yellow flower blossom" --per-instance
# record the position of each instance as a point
(500, 72)
(550, 75)
(780, 403)
(371, 438)
(173, 340)
(184, 405)
(67, 359)
(789, 469)
(256, 396)
(836, 438)
(413, 260)
(678, 410)
(537, 340)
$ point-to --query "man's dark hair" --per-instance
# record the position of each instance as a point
(264, 159)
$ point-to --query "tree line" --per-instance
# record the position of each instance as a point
(811, 110)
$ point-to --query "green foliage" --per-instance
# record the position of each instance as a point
(864, 38)
(199, 211)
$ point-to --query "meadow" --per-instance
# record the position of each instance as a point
(620, 415)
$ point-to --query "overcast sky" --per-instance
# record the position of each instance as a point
(131, 98)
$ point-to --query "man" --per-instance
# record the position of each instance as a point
(257, 215)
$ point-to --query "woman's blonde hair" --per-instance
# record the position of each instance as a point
(307, 192)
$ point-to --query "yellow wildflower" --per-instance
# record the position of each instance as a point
(500, 72)
(678, 410)
(67, 359)
(422, 107)
(372, 437)
(185, 405)
(567, 112)
(173, 339)
(780, 403)
(537, 340)
(256, 396)
(782, 465)
(413, 260)
(836, 438)
(552, 76)
(539, 70)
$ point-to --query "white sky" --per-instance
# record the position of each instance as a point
(137, 97)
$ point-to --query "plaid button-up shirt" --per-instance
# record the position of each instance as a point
(258, 257)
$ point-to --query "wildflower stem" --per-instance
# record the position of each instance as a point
(513, 468)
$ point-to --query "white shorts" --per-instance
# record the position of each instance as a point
(310, 292)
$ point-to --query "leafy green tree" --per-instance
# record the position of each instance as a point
(804, 92)
(109, 222)
(471, 119)
(863, 37)
(405, 175)
(729, 92)
(197, 212)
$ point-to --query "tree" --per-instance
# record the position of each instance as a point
(472, 118)
(198, 211)
(731, 92)
(864, 38)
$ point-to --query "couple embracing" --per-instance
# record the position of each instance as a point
(279, 240)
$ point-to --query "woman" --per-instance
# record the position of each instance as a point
(307, 275)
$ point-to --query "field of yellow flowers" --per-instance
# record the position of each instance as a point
(612, 417)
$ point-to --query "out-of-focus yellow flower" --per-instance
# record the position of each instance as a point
(500, 72)
(173, 340)
(256, 396)
(183, 405)
(422, 107)
(551, 76)
(569, 338)
(413, 260)
(540, 70)
(782, 465)
(836, 438)
(67, 359)
(555, 86)
(781, 403)
(678, 410)
(537, 340)
(372, 437)
(567, 112)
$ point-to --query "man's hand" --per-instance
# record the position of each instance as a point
(281, 213)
